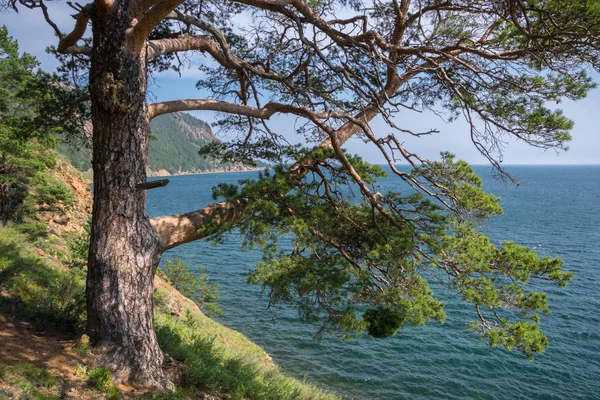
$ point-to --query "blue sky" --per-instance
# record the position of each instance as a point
(34, 35)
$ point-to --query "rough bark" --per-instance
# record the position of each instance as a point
(5, 205)
(125, 249)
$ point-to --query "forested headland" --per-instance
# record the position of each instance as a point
(175, 142)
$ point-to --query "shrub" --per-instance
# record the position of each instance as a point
(195, 287)
(101, 378)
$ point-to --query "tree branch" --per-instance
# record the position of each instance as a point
(78, 31)
(156, 109)
(187, 43)
(66, 44)
(152, 184)
(153, 17)
(86, 51)
(223, 53)
(179, 229)
(175, 230)
(75, 103)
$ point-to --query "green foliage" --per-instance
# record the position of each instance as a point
(364, 264)
(383, 322)
(34, 383)
(178, 139)
(32, 229)
(196, 287)
(50, 295)
(25, 143)
(49, 190)
(113, 393)
(79, 246)
(101, 378)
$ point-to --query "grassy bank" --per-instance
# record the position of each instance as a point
(42, 282)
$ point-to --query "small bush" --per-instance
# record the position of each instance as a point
(79, 245)
(49, 190)
(195, 287)
(81, 372)
(101, 378)
(33, 230)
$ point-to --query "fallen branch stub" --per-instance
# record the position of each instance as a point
(151, 185)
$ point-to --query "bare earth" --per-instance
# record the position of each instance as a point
(21, 344)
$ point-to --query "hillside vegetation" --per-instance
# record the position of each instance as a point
(176, 139)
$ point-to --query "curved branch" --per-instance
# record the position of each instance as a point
(156, 109)
(74, 104)
(67, 44)
(224, 55)
(47, 17)
(78, 31)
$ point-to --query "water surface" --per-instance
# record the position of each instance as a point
(555, 210)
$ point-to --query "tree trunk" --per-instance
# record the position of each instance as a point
(5, 202)
(124, 249)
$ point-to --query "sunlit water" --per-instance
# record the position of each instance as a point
(556, 210)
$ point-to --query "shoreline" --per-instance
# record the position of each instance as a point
(153, 175)
(88, 177)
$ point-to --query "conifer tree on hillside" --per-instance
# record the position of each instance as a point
(26, 143)
(333, 66)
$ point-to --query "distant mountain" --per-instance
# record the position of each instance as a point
(176, 139)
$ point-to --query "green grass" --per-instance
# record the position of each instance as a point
(101, 378)
(35, 383)
(44, 293)
(225, 361)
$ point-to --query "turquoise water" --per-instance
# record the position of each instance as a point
(555, 210)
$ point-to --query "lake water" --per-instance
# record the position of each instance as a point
(555, 210)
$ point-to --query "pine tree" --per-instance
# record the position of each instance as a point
(25, 144)
(359, 263)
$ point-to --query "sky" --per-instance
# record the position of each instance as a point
(34, 35)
